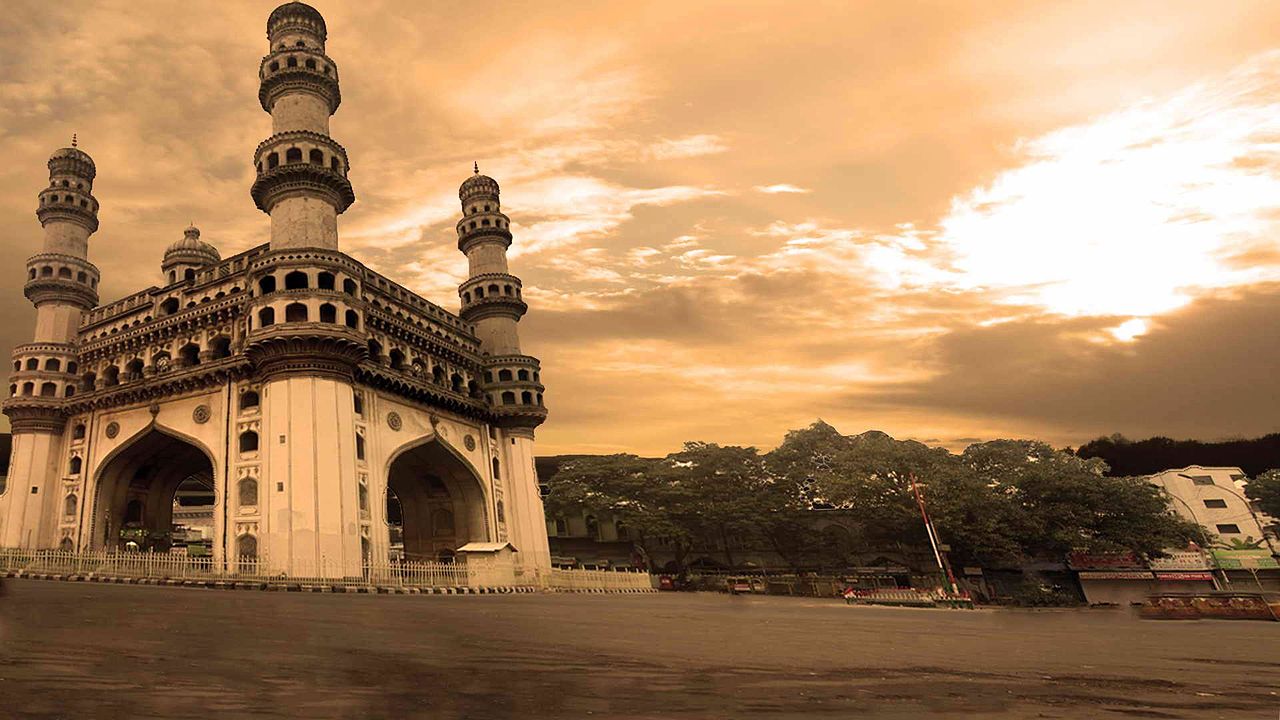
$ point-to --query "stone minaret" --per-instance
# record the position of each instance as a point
(491, 300)
(62, 284)
(302, 173)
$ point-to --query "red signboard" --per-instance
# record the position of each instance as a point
(1103, 561)
(1115, 575)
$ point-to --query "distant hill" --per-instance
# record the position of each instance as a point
(1144, 457)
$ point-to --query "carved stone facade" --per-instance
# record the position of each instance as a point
(335, 417)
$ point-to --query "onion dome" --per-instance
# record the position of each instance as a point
(191, 250)
(478, 186)
(297, 16)
(72, 161)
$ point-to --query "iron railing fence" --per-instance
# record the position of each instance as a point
(472, 573)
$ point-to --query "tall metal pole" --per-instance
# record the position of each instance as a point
(933, 540)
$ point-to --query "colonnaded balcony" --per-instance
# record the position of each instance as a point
(485, 571)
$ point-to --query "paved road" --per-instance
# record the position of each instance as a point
(105, 651)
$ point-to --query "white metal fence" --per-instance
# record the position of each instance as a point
(473, 573)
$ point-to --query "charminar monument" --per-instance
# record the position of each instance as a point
(312, 415)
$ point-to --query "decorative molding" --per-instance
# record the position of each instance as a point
(201, 414)
(393, 421)
(113, 429)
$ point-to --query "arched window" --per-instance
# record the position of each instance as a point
(493, 290)
(248, 441)
(247, 549)
(397, 359)
(189, 274)
(28, 388)
(189, 355)
(328, 313)
(273, 161)
(353, 319)
(473, 389)
(296, 280)
(349, 286)
(69, 505)
(437, 374)
(266, 316)
(133, 512)
(333, 162)
(526, 397)
(274, 66)
(295, 312)
(46, 271)
(66, 545)
(311, 63)
(68, 391)
(169, 307)
(111, 376)
(220, 347)
(496, 468)
(64, 273)
(248, 492)
(375, 351)
(71, 368)
(523, 374)
(33, 364)
(248, 400)
(77, 433)
(325, 280)
(479, 293)
(73, 467)
(48, 390)
(315, 156)
(292, 61)
(504, 376)
(455, 382)
(293, 155)
(508, 398)
(466, 297)
(266, 284)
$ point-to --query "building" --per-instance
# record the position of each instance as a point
(1214, 498)
(292, 385)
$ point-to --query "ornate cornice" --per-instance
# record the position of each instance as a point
(38, 415)
(290, 136)
(312, 349)
(67, 212)
(44, 290)
(175, 382)
(298, 79)
(501, 306)
(301, 179)
(422, 391)
(469, 238)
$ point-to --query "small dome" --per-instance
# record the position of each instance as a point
(191, 250)
(478, 185)
(74, 161)
(288, 13)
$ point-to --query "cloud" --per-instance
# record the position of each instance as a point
(780, 188)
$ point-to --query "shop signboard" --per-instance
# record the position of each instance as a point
(1185, 576)
(1181, 560)
(1115, 575)
(1103, 561)
(1251, 559)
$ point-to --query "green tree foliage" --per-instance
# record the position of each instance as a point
(1265, 490)
(995, 504)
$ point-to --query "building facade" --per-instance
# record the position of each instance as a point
(302, 391)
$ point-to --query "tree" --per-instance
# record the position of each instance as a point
(1060, 502)
(1265, 490)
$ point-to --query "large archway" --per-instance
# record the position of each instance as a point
(139, 487)
(435, 503)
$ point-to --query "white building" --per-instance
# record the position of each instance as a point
(302, 387)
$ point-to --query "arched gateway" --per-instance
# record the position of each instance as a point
(435, 502)
(137, 489)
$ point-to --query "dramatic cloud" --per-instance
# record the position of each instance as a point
(946, 223)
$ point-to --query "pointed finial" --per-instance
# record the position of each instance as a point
(477, 167)
(73, 140)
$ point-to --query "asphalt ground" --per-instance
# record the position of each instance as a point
(76, 650)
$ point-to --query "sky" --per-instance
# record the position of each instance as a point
(947, 221)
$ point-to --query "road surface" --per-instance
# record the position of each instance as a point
(75, 650)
